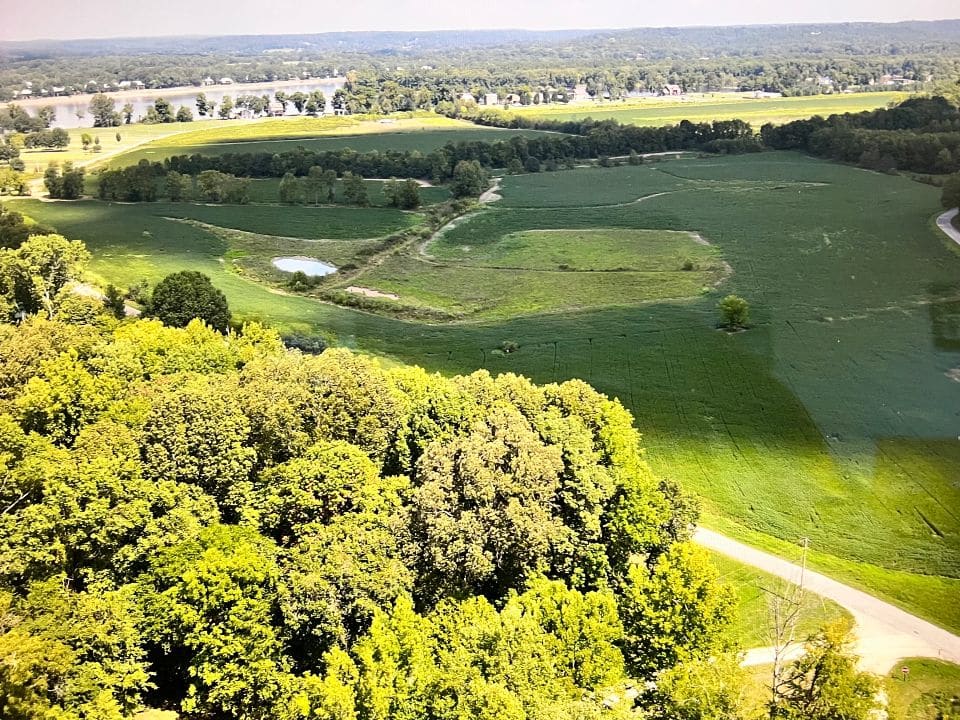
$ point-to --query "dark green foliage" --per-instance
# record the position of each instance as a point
(113, 301)
(354, 190)
(469, 179)
(183, 296)
(64, 184)
(404, 195)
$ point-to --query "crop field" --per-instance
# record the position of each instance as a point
(834, 417)
(709, 107)
(336, 133)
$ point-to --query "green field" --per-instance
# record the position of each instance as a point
(537, 271)
(930, 686)
(716, 106)
(834, 417)
(421, 133)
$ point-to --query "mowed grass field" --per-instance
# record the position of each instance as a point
(421, 132)
(929, 687)
(715, 106)
(834, 417)
(495, 276)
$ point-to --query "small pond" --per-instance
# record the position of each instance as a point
(308, 266)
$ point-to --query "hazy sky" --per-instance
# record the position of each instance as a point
(26, 19)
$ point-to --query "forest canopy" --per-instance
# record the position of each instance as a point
(215, 524)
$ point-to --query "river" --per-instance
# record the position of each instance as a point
(73, 111)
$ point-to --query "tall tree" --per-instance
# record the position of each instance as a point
(103, 109)
(185, 295)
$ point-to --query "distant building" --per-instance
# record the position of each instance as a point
(226, 81)
(671, 90)
(490, 99)
(511, 99)
(275, 109)
(26, 92)
(208, 81)
(468, 97)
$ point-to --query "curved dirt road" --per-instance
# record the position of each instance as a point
(885, 633)
(945, 223)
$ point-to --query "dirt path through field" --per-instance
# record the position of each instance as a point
(885, 633)
(945, 223)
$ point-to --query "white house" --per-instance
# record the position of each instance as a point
(226, 81)
(671, 90)
(490, 99)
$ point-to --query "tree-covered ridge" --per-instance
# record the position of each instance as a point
(218, 525)
(441, 65)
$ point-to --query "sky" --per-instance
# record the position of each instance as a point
(70, 19)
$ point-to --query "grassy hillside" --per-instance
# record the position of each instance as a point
(834, 417)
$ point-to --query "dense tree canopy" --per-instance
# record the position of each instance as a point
(265, 534)
(183, 296)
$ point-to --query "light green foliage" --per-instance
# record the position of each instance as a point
(711, 689)
(211, 601)
(928, 692)
(825, 682)
(232, 514)
(33, 275)
(675, 611)
(734, 312)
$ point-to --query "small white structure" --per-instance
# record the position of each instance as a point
(226, 81)
(490, 99)
(671, 90)
(208, 81)
(467, 97)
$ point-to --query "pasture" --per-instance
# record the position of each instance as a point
(929, 686)
(422, 133)
(834, 417)
(713, 106)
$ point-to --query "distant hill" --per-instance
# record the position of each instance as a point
(733, 41)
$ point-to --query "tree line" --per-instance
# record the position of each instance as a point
(920, 135)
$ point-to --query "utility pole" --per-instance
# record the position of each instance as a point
(805, 541)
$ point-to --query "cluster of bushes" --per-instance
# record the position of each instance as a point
(921, 135)
(64, 183)
(143, 182)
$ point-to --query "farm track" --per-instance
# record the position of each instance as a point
(945, 223)
(885, 634)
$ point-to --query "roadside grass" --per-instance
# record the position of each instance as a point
(834, 417)
(753, 623)
(714, 106)
(930, 691)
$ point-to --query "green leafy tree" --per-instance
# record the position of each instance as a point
(178, 187)
(183, 296)
(113, 301)
(481, 513)
(824, 683)
(204, 106)
(163, 110)
(226, 107)
(355, 190)
(734, 312)
(674, 611)
(709, 689)
(184, 114)
(208, 604)
(291, 189)
(469, 179)
(103, 109)
(127, 113)
(33, 276)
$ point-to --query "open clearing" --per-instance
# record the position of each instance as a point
(423, 132)
(834, 417)
(716, 106)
